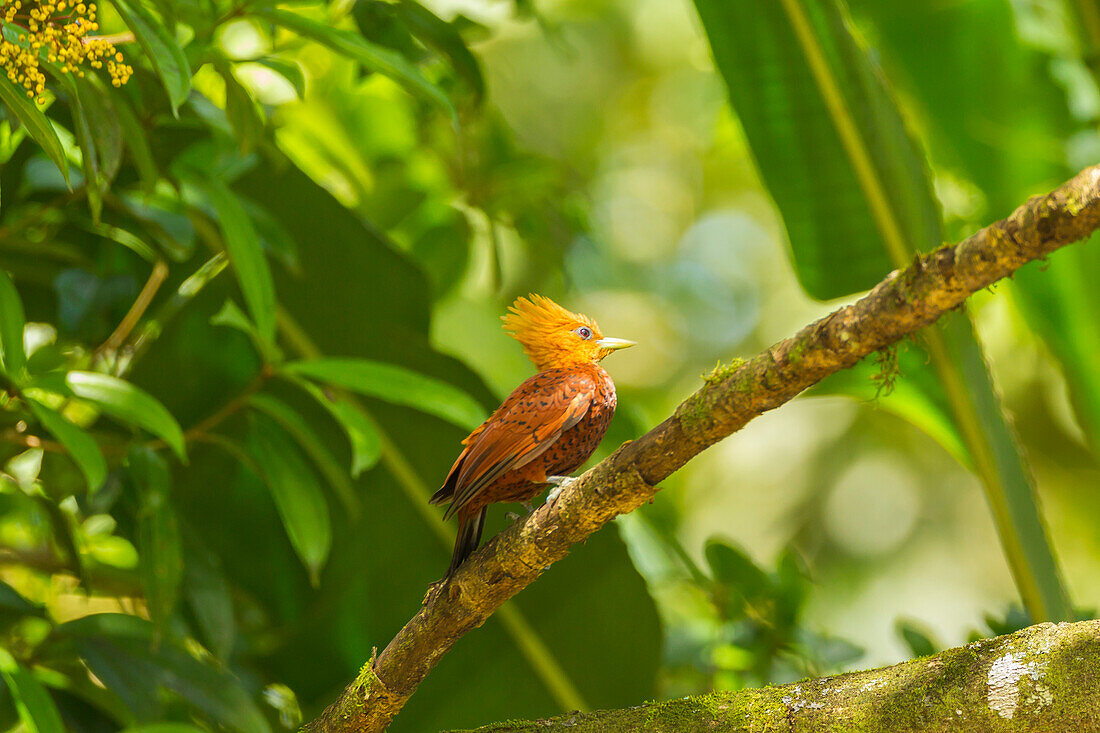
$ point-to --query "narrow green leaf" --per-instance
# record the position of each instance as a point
(735, 570)
(231, 316)
(94, 181)
(160, 47)
(394, 384)
(807, 97)
(245, 254)
(241, 110)
(126, 402)
(164, 728)
(444, 38)
(12, 602)
(159, 544)
(289, 70)
(35, 123)
(36, 708)
(103, 118)
(856, 197)
(12, 355)
(366, 443)
(296, 492)
(81, 446)
(307, 439)
(137, 143)
(354, 46)
(121, 651)
(207, 594)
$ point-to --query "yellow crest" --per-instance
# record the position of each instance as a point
(549, 333)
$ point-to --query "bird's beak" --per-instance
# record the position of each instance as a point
(615, 344)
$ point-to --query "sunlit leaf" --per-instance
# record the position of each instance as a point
(289, 70)
(35, 123)
(126, 402)
(242, 111)
(394, 384)
(36, 709)
(12, 602)
(372, 56)
(81, 446)
(296, 492)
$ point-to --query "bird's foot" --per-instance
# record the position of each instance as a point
(561, 483)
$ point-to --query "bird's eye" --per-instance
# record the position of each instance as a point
(584, 332)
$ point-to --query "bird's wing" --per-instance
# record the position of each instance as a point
(525, 426)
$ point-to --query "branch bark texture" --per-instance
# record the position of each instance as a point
(1043, 678)
(902, 304)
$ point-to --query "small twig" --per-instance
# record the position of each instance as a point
(137, 310)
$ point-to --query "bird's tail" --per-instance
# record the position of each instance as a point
(469, 537)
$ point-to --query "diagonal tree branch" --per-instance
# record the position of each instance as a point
(1042, 678)
(905, 302)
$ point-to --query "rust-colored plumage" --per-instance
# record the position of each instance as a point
(547, 427)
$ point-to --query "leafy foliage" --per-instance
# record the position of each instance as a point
(222, 412)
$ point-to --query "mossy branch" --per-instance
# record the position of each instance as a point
(905, 302)
(1043, 678)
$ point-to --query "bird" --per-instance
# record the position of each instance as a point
(544, 430)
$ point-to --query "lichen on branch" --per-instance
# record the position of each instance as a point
(902, 304)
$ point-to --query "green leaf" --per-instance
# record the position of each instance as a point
(241, 110)
(856, 198)
(136, 142)
(207, 594)
(245, 254)
(126, 402)
(296, 491)
(736, 571)
(394, 384)
(354, 46)
(164, 728)
(366, 443)
(36, 708)
(122, 652)
(12, 602)
(12, 321)
(35, 123)
(160, 47)
(159, 545)
(289, 70)
(307, 439)
(94, 182)
(829, 142)
(103, 118)
(442, 36)
(916, 638)
(81, 446)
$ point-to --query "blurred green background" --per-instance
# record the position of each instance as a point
(253, 307)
